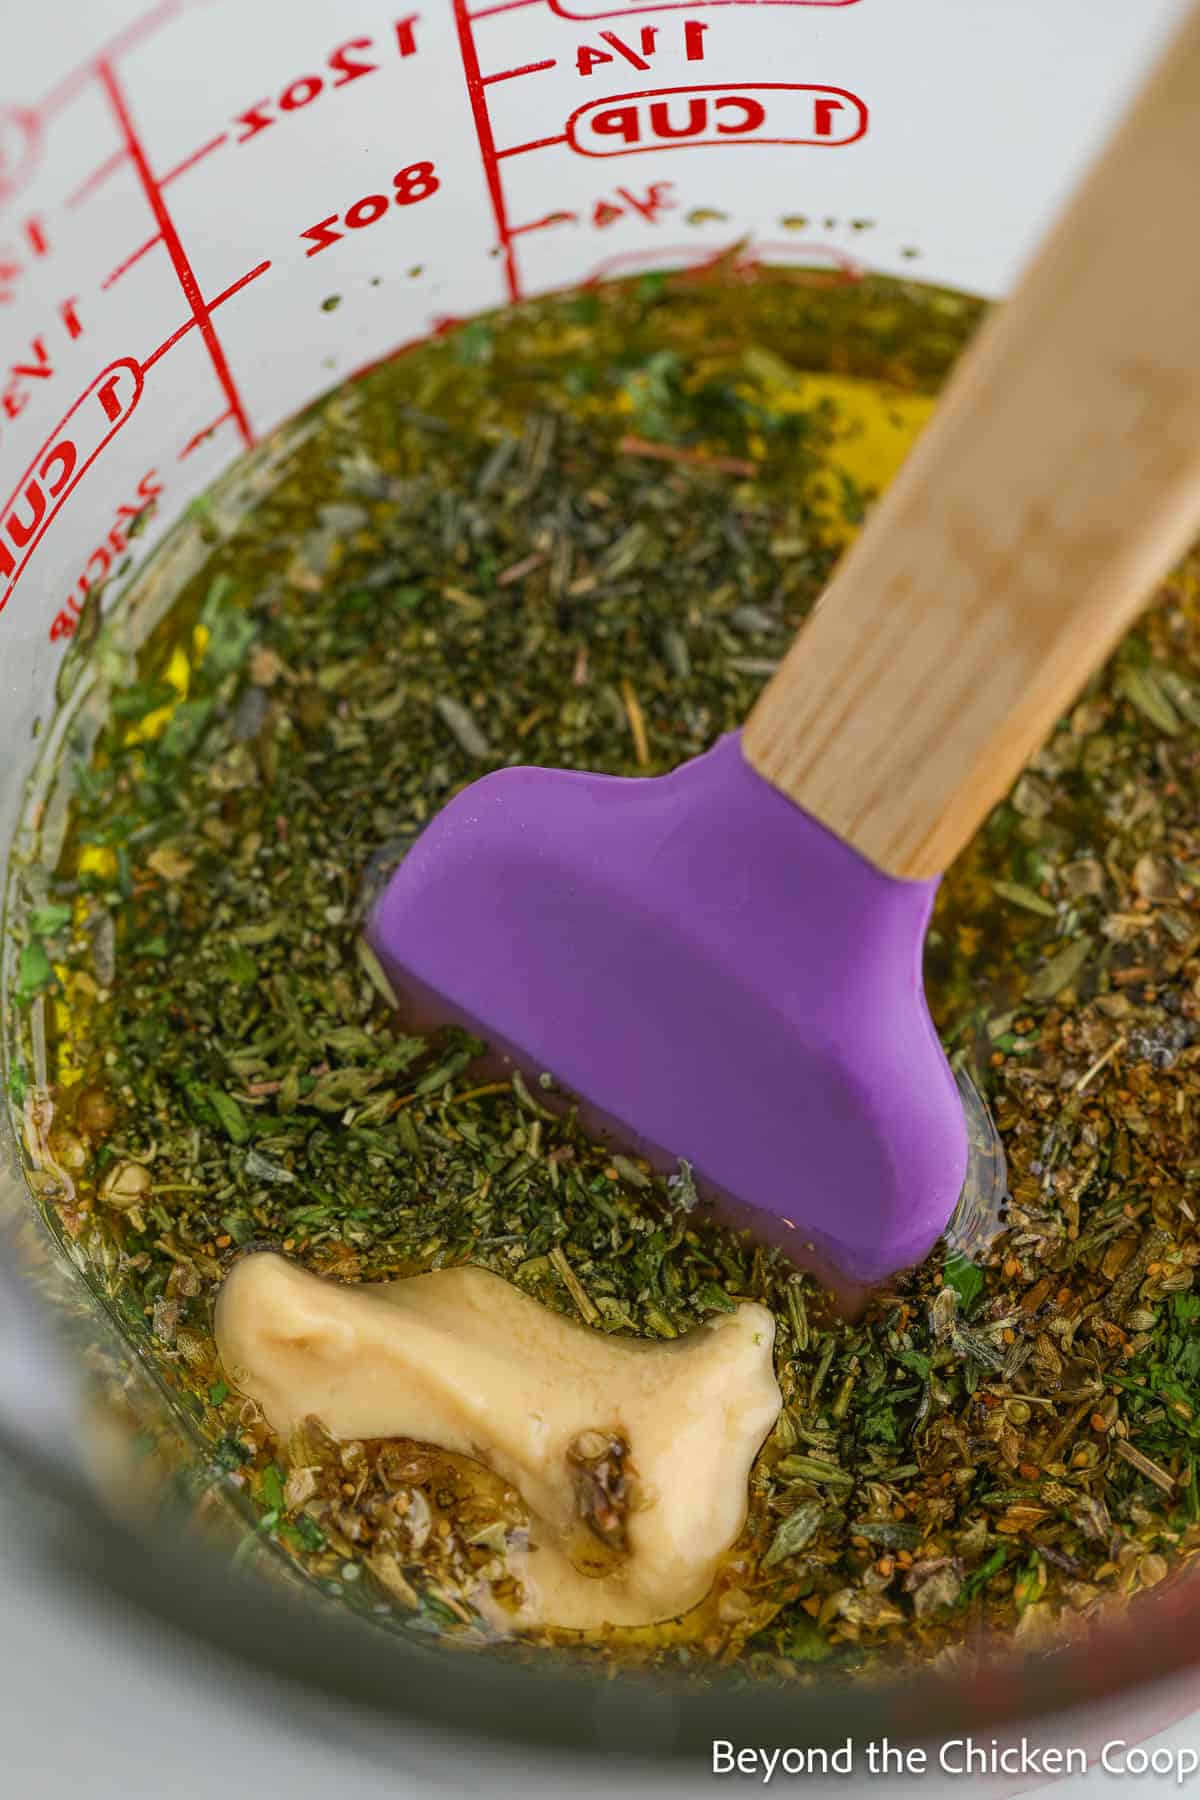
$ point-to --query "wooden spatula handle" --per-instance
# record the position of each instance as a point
(1056, 484)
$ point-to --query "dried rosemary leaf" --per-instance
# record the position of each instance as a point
(794, 1532)
(1020, 895)
(1060, 971)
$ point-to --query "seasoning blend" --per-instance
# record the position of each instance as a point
(582, 534)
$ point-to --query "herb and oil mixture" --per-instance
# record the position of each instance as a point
(582, 534)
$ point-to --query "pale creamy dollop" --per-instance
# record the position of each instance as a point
(462, 1360)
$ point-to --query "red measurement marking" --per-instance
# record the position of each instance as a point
(98, 177)
(602, 10)
(525, 69)
(175, 250)
(589, 57)
(135, 256)
(39, 367)
(410, 185)
(213, 306)
(40, 363)
(622, 49)
(14, 265)
(322, 234)
(487, 145)
(189, 162)
(20, 127)
(76, 79)
(535, 144)
(687, 117)
(349, 62)
(659, 197)
(235, 287)
(169, 343)
(255, 119)
(61, 463)
(694, 264)
(202, 436)
(20, 141)
(115, 544)
(770, 253)
(691, 260)
(554, 218)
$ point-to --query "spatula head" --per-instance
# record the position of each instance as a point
(715, 975)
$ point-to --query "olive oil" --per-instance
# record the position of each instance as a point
(582, 533)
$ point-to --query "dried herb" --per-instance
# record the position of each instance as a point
(602, 1487)
(582, 534)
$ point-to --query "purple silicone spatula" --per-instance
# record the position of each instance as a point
(724, 963)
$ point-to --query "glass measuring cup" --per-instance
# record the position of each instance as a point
(186, 194)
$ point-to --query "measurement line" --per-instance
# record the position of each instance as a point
(76, 81)
(73, 82)
(525, 69)
(201, 312)
(167, 344)
(123, 268)
(112, 163)
(108, 167)
(189, 162)
(487, 144)
(537, 144)
(772, 250)
(554, 218)
(486, 12)
(190, 324)
(691, 260)
(205, 431)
